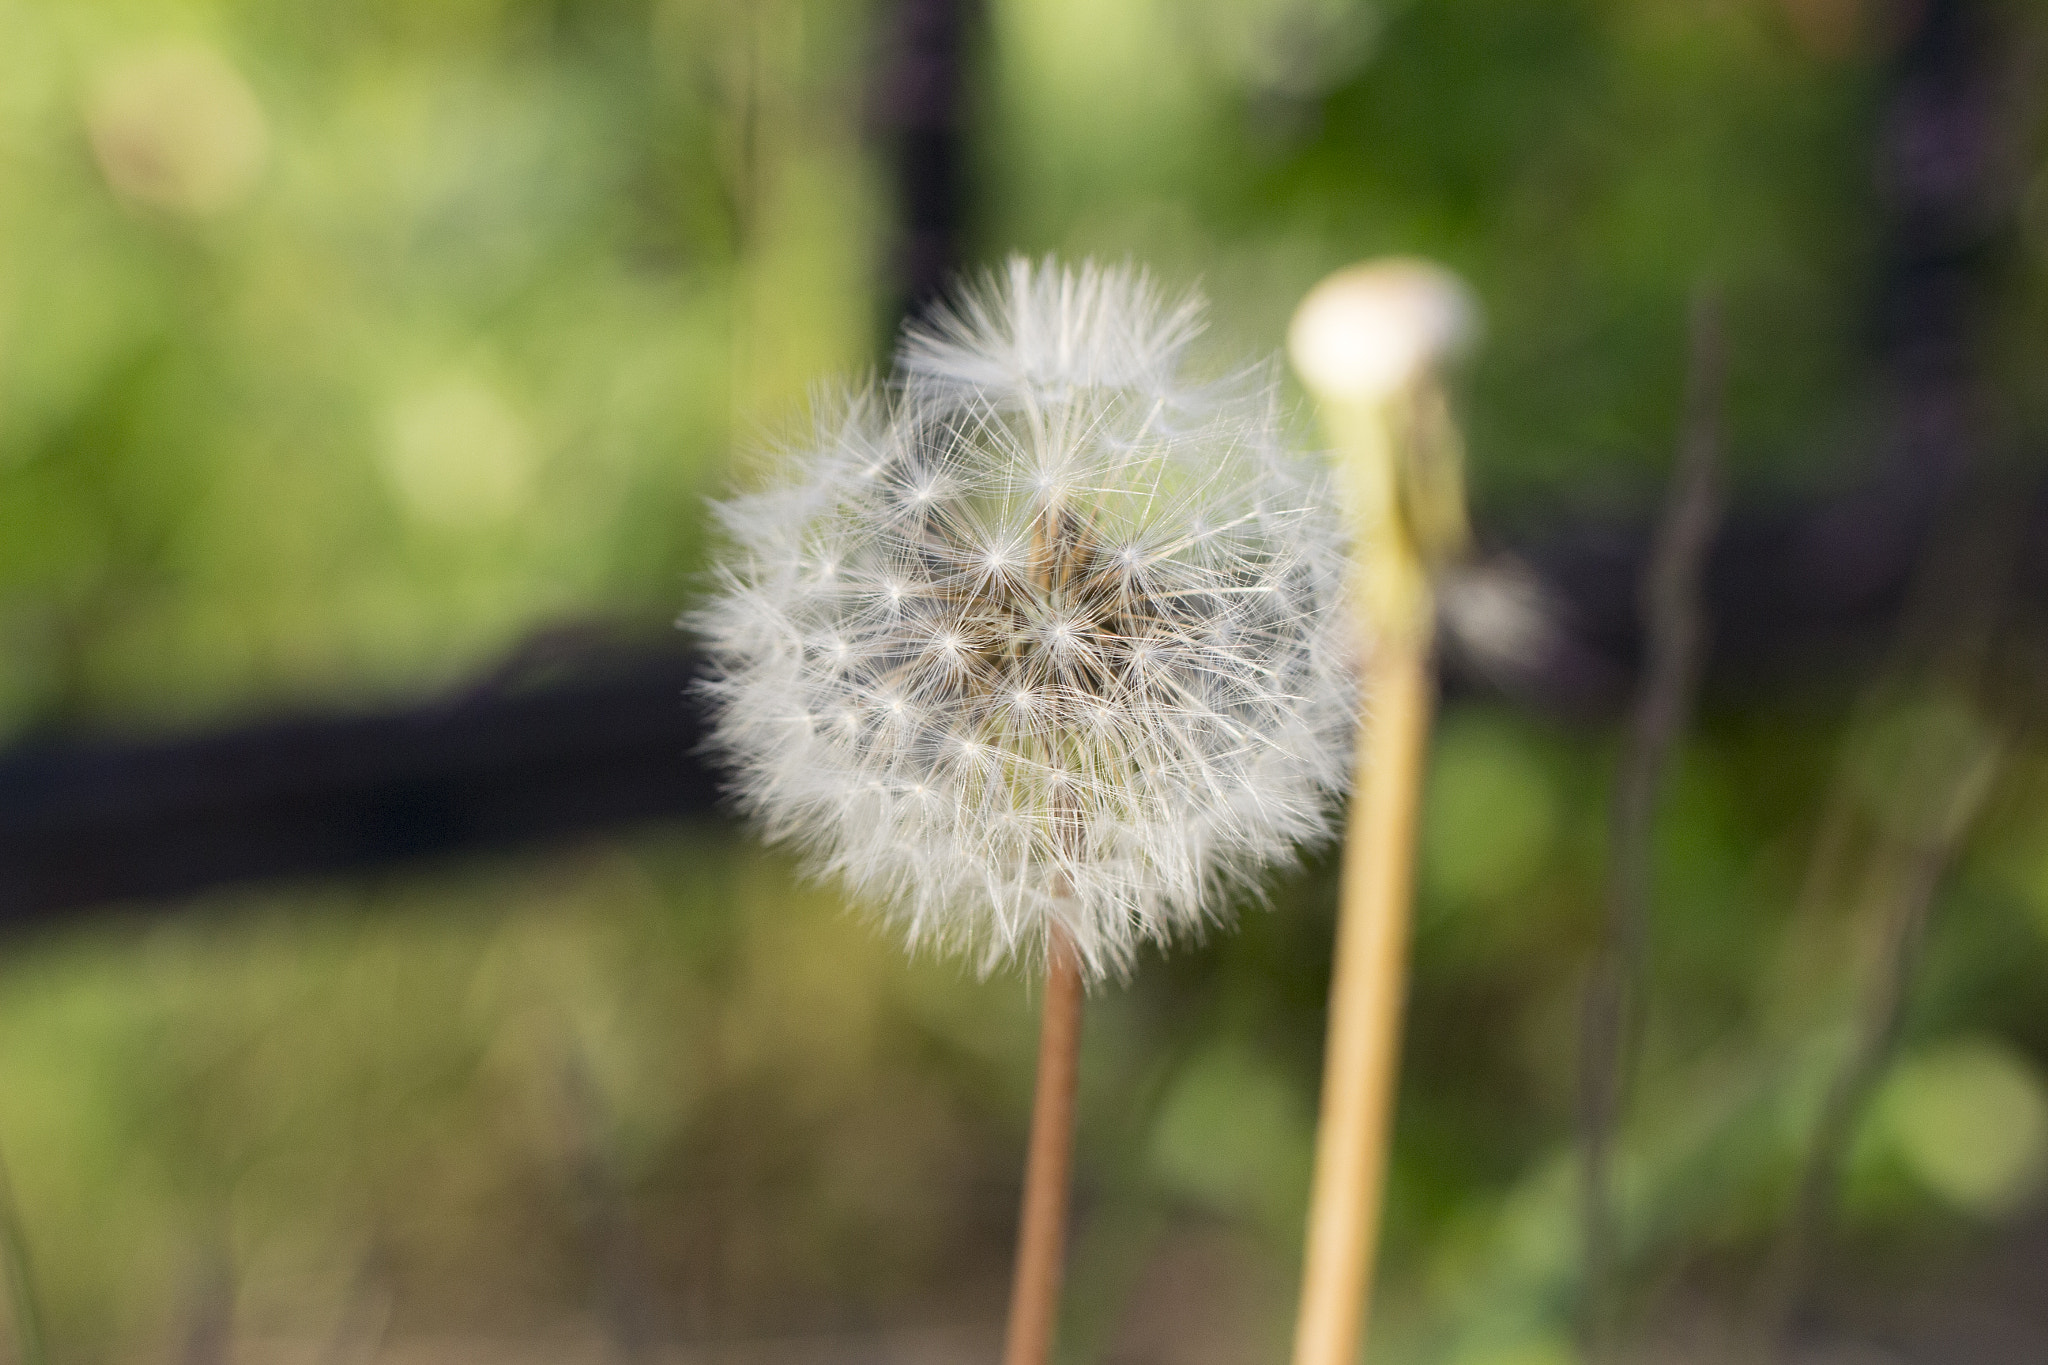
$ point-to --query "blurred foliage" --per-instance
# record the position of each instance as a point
(341, 347)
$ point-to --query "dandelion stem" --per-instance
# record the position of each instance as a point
(1368, 341)
(1367, 992)
(1048, 1166)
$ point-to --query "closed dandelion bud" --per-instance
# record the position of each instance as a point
(1369, 343)
(1046, 635)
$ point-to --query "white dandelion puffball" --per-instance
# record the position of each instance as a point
(1044, 635)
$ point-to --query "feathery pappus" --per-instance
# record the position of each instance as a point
(1046, 633)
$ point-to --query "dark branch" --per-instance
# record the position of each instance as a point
(1676, 632)
(91, 819)
(610, 739)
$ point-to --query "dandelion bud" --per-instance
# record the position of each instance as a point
(1044, 635)
(1368, 332)
(1369, 342)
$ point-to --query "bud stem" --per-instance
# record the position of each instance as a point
(1367, 993)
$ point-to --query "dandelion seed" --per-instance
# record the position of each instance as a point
(1078, 662)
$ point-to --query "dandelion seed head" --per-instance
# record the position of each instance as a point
(1046, 634)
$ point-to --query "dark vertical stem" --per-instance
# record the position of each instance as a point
(1944, 177)
(920, 118)
(1675, 636)
(1877, 1023)
(1954, 622)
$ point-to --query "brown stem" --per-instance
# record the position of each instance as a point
(1367, 992)
(1800, 1239)
(1909, 875)
(1675, 636)
(1048, 1166)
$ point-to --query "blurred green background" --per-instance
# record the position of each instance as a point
(342, 347)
